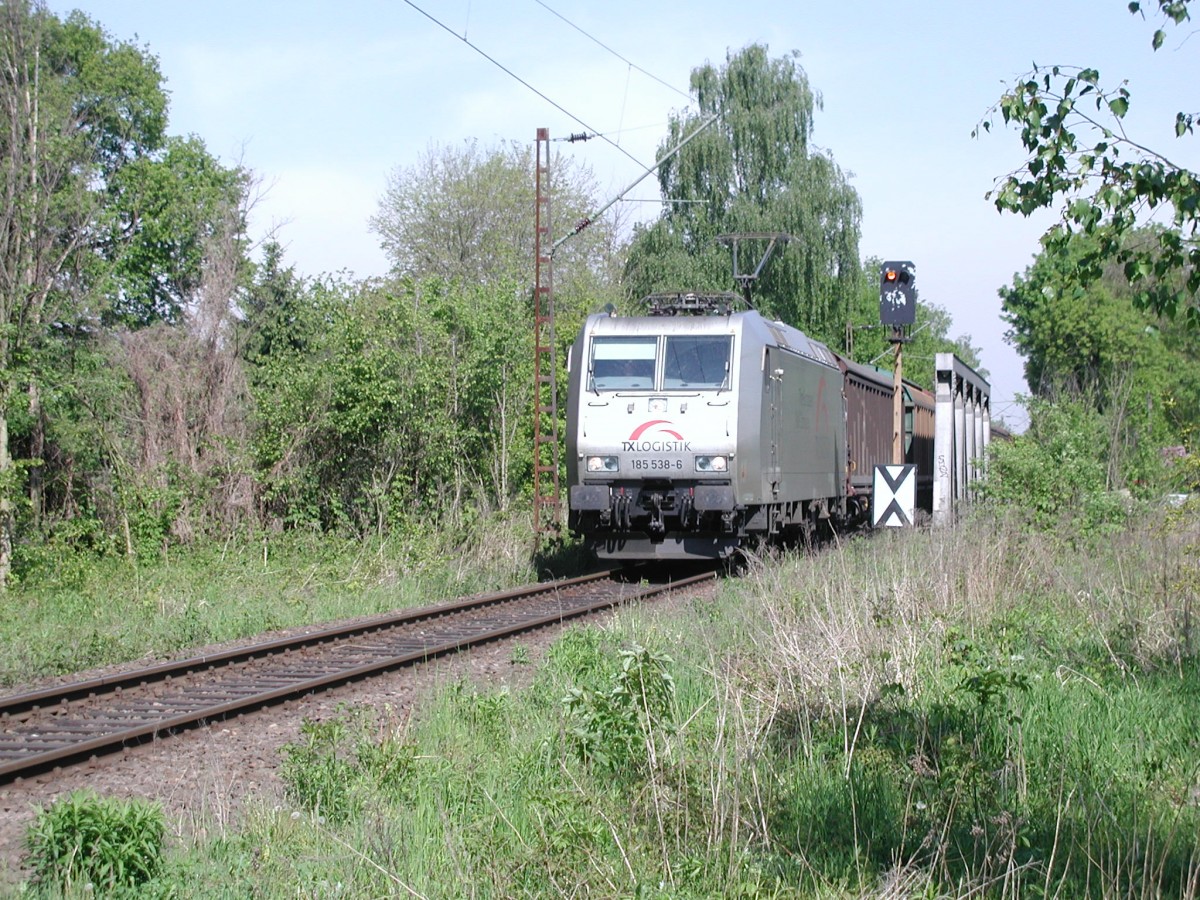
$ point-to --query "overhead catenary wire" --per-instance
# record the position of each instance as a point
(632, 66)
(629, 63)
(648, 170)
(522, 81)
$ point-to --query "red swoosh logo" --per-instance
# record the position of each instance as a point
(645, 426)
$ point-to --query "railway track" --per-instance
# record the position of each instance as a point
(69, 723)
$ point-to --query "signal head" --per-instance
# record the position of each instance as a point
(897, 293)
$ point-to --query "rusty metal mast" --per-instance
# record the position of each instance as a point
(546, 503)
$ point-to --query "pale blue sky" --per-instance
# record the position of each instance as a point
(322, 100)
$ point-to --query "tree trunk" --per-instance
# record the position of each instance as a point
(37, 452)
(6, 508)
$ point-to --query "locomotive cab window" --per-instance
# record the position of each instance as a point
(700, 361)
(623, 363)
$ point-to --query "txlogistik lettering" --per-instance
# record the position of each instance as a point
(656, 446)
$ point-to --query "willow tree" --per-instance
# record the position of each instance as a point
(754, 169)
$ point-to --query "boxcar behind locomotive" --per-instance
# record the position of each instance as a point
(688, 433)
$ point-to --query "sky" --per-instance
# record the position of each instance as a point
(323, 101)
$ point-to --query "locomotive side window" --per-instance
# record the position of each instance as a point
(700, 361)
(622, 363)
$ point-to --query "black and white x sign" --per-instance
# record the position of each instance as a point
(893, 496)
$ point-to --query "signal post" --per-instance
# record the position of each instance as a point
(894, 488)
(898, 310)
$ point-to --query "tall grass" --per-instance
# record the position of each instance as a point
(992, 708)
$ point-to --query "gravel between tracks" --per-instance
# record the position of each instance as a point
(204, 778)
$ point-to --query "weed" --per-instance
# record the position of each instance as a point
(519, 655)
(582, 657)
(619, 728)
(84, 840)
(337, 763)
(488, 713)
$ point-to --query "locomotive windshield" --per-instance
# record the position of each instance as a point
(689, 362)
(623, 362)
(697, 362)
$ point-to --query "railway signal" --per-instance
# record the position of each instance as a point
(897, 294)
(898, 310)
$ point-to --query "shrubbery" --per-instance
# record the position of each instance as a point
(1057, 473)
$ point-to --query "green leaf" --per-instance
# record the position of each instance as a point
(1157, 41)
(1119, 106)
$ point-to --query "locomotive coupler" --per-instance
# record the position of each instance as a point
(687, 506)
(657, 525)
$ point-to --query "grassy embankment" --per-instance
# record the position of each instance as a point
(942, 713)
(80, 611)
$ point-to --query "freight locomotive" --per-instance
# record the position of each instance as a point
(696, 429)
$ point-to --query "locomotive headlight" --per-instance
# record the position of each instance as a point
(712, 464)
(602, 464)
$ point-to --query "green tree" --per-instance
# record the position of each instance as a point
(1057, 474)
(163, 210)
(463, 219)
(75, 108)
(405, 402)
(1093, 343)
(466, 215)
(1104, 182)
(273, 320)
(103, 220)
(754, 170)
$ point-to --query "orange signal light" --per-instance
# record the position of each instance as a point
(891, 275)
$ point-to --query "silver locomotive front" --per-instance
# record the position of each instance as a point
(652, 436)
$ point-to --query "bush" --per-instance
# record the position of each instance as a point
(1057, 470)
(84, 839)
(619, 728)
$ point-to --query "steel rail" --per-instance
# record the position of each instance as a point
(23, 757)
(54, 695)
